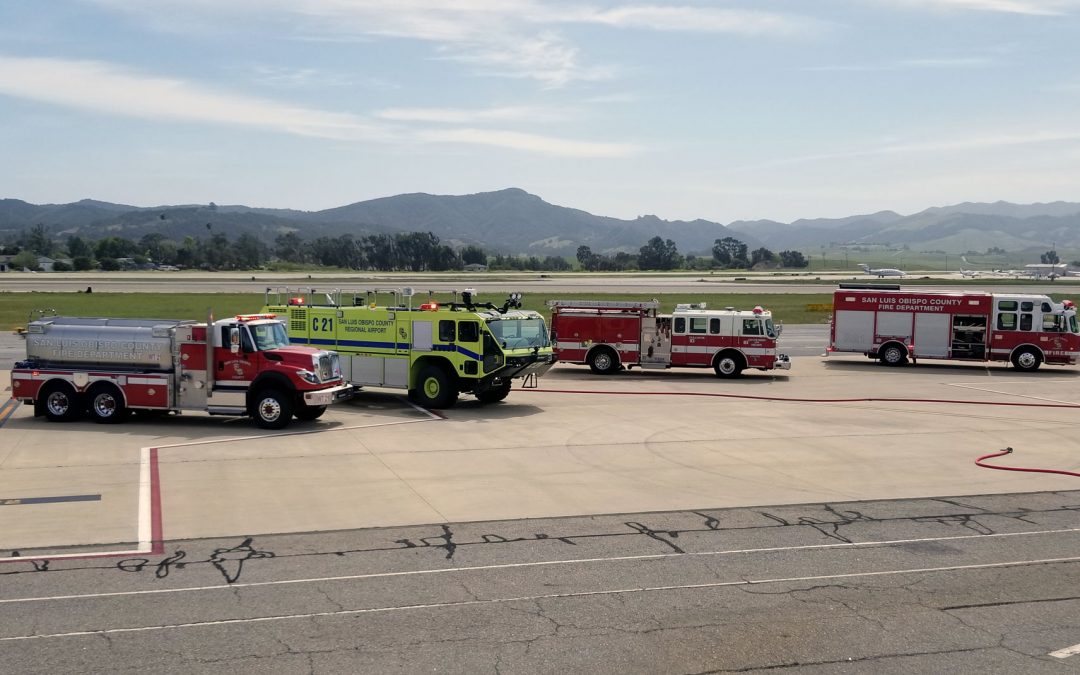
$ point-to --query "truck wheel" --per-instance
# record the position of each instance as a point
(1027, 360)
(603, 361)
(107, 404)
(495, 394)
(60, 402)
(272, 409)
(435, 389)
(728, 364)
(308, 413)
(893, 355)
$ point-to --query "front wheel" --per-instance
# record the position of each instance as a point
(495, 394)
(603, 361)
(728, 365)
(1027, 360)
(272, 409)
(308, 413)
(435, 389)
(107, 405)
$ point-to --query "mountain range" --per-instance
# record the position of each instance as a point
(514, 221)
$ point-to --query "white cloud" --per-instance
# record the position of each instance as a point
(105, 88)
(472, 115)
(545, 145)
(1029, 7)
(102, 87)
(513, 38)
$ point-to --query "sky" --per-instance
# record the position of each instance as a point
(749, 109)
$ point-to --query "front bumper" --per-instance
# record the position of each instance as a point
(328, 396)
(783, 362)
(523, 366)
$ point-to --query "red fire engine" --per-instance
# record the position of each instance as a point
(610, 335)
(884, 322)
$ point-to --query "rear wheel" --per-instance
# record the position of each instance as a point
(60, 402)
(495, 394)
(603, 361)
(272, 409)
(729, 364)
(1027, 360)
(308, 413)
(107, 404)
(435, 388)
(893, 354)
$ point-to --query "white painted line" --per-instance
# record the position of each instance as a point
(424, 410)
(533, 598)
(1009, 393)
(145, 517)
(540, 563)
(1067, 652)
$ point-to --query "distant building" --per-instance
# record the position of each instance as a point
(475, 267)
(5, 262)
(45, 263)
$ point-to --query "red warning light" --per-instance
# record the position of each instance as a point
(429, 306)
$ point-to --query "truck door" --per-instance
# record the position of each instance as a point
(238, 368)
(753, 341)
(932, 334)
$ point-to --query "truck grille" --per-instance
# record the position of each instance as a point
(329, 367)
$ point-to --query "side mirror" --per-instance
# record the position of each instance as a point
(234, 340)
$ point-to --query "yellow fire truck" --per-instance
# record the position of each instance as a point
(433, 350)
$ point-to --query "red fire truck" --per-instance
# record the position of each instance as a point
(609, 335)
(243, 365)
(884, 322)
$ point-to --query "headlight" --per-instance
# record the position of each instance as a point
(308, 376)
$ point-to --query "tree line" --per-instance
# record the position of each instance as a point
(405, 251)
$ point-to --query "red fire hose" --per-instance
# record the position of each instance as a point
(1007, 451)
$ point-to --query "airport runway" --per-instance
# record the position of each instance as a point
(643, 522)
(646, 284)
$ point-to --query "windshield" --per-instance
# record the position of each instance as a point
(269, 335)
(520, 333)
(770, 330)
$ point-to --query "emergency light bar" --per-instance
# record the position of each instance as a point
(254, 317)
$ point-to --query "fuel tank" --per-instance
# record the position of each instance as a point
(138, 343)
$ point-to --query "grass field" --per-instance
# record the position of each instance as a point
(15, 308)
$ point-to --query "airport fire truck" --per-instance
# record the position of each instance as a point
(243, 366)
(893, 325)
(609, 335)
(434, 350)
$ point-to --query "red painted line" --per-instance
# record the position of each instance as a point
(157, 539)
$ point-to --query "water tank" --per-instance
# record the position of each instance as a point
(136, 343)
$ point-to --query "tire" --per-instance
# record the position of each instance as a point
(272, 409)
(435, 388)
(603, 361)
(308, 413)
(60, 402)
(893, 354)
(729, 364)
(1027, 360)
(495, 394)
(106, 404)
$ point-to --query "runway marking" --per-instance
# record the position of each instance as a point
(20, 501)
(539, 563)
(1007, 393)
(1067, 652)
(7, 410)
(533, 598)
(149, 518)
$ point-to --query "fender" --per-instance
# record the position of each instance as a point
(618, 356)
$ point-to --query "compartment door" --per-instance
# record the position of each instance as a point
(932, 332)
(854, 330)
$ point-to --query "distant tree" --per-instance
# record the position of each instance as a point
(1075, 263)
(77, 247)
(729, 251)
(761, 255)
(39, 241)
(110, 264)
(289, 247)
(659, 254)
(83, 263)
(114, 247)
(588, 260)
(793, 259)
(1050, 258)
(473, 255)
(61, 266)
(151, 245)
(25, 259)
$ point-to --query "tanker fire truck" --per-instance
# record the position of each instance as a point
(609, 335)
(893, 325)
(435, 351)
(241, 366)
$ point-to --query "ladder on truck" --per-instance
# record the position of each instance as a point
(603, 304)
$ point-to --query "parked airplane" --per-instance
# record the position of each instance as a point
(883, 272)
